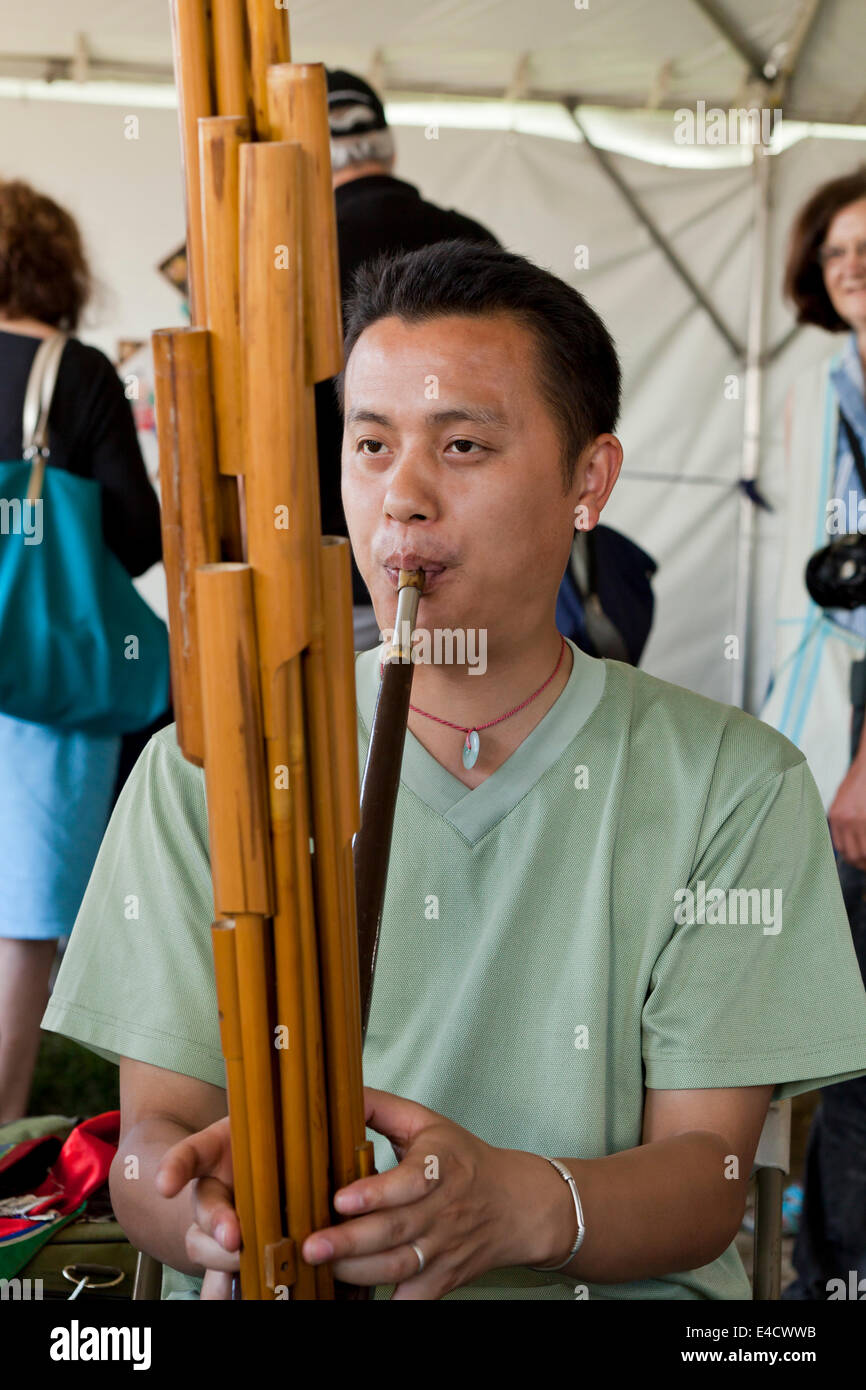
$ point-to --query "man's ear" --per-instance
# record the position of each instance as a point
(594, 478)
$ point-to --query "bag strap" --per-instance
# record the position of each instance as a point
(856, 449)
(37, 406)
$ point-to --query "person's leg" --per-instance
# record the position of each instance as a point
(25, 967)
(810, 1257)
(832, 1238)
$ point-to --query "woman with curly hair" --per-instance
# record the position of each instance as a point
(819, 671)
(56, 787)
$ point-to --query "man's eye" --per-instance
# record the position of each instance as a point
(378, 443)
(470, 442)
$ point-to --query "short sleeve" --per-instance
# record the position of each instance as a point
(759, 982)
(137, 977)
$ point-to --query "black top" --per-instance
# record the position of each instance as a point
(375, 213)
(91, 433)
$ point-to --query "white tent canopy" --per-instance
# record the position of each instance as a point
(672, 256)
(628, 53)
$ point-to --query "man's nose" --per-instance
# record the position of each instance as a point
(408, 494)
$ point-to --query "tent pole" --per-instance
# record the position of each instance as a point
(736, 37)
(757, 355)
(752, 409)
(673, 260)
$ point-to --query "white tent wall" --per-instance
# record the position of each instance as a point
(544, 198)
(127, 198)
(126, 195)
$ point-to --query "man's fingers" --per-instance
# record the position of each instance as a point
(203, 1250)
(413, 1179)
(394, 1116)
(388, 1267)
(193, 1157)
(216, 1285)
(215, 1213)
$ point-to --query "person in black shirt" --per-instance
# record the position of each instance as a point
(56, 788)
(376, 212)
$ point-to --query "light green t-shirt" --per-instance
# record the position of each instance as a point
(541, 961)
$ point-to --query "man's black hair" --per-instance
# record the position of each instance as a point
(577, 369)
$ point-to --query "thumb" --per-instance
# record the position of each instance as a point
(205, 1154)
(395, 1117)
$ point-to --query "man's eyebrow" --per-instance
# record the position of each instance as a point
(477, 414)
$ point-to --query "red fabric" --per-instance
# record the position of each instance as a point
(79, 1169)
(19, 1151)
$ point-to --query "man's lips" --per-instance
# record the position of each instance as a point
(431, 568)
(433, 575)
(412, 560)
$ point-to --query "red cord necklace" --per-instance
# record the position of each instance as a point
(472, 742)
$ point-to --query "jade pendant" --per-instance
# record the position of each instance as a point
(471, 748)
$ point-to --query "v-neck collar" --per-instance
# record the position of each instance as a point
(473, 811)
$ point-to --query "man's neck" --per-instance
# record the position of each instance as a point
(451, 693)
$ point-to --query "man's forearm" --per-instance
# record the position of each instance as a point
(155, 1224)
(657, 1209)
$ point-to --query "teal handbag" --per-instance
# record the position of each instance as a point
(80, 649)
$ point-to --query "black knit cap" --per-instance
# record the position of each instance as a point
(346, 90)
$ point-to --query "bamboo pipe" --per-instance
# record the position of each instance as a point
(268, 23)
(220, 141)
(192, 69)
(240, 859)
(280, 472)
(279, 480)
(238, 829)
(339, 678)
(231, 58)
(254, 950)
(345, 1103)
(301, 1070)
(225, 970)
(303, 871)
(298, 104)
(190, 508)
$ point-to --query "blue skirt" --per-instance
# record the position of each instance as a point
(55, 799)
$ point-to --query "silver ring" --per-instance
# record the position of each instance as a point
(421, 1261)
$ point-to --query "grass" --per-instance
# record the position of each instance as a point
(70, 1080)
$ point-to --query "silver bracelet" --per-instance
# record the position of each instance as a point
(581, 1229)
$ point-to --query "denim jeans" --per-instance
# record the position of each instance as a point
(832, 1239)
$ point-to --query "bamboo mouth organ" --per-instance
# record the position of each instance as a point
(262, 652)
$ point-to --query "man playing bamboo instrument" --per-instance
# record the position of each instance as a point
(613, 928)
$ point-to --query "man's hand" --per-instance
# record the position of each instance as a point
(847, 815)
(468, 1207)
(214, 1238)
